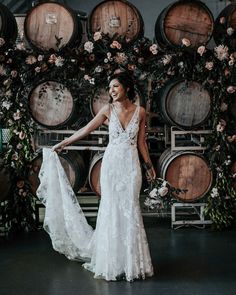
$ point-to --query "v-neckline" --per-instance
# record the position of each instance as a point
(118, 119)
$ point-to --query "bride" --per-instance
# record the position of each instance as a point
(118, 247)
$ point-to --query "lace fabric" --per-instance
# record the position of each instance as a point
(118, 246)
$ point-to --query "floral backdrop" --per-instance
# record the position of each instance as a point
(88, 66)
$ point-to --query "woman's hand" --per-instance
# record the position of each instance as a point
(58, 147)
(151, 174)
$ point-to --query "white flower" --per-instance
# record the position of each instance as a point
(186, 42)
(92, 81)
(153, 49)
(87, 77)
(166, 59)
(221, 52)
(59, 61)
(40, 57)
(181, 64)
(20, 46)
(98, 69)
(6, 105)
(163, 191)
(88, 46)
(214, 192)
(230, 31)
(153, 193)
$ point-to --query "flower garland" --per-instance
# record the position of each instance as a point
(84, 69)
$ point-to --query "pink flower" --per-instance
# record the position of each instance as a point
(20, 46)
(37, 69)
(201, 50)
(222, 20)
(223, 107)
(22, 135)
(17, 115)
(31, 59)
(14, 73)
(231, 89)
(186, 42)
(52, 58)
(115, 44)
(209, 65)
(120, 57)
(221, 52)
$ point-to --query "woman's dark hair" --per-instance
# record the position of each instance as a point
(127, 82)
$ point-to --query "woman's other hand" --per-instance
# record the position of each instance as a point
(58, 147)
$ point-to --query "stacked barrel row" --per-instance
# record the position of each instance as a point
(183, 104)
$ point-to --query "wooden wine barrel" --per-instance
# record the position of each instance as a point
(94, 174)
(116, 17)
(51, 105)
(73, 165)
(186, 170)
(8, 26)
(5, 182)
(101, 98)
(190, 19)
(47, 22)
(226, 19)
(184, 103)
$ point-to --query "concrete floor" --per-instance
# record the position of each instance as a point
(187, 261)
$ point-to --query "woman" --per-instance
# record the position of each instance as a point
(118, 247)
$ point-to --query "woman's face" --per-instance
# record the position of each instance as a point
(117, 91)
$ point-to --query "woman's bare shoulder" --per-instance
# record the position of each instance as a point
(105, 110)
(142, 111)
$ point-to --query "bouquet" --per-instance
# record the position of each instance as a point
(161, 194)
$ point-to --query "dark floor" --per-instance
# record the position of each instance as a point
(186, 261)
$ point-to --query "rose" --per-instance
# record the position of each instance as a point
(88, 46)
(153, 49)
(201, 50)
(163, 191)
(230, 31)
(209, 65)
(40, 57)
(153, 193)
(20, 46)
(52, 58)
(231, 89)
(97, 36)
(2, 41)
(37, 69)
(222, 20)
(22, 135)
(115, 44)
(14, 73)
(186, 42)
(17, 115)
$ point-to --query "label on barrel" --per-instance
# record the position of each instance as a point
(114, 22)
(51, 18)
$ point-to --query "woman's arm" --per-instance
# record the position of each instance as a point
(142, 145)
(97, 121)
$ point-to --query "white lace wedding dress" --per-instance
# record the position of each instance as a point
(118, 247)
